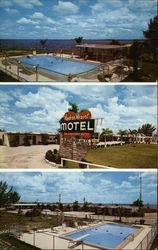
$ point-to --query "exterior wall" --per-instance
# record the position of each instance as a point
(74, 151)
(6, 140)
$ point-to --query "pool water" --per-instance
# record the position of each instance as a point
(57, 64)
(107, 235)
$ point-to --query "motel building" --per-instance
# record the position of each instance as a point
(103, 52)
(12, 139)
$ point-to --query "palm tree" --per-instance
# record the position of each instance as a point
(151, 35)
(146, 129)
(106, 133)
(43, 43)
(122, 133)
(79, 40)
(135, 53)
(74, 108)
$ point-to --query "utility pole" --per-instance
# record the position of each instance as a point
(59, 198)
(140, 197)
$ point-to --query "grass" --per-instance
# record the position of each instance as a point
(17, 243)
(6, 78)
(42, 221)
(127, 156)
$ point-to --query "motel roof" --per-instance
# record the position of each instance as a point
(103, 46)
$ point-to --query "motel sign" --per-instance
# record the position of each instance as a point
(77, 125)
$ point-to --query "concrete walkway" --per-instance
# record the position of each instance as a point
(25, 157)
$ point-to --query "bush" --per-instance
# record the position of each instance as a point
(14, 144)
(55, 151)
(26, 141)
(50, 156)
(33, 213)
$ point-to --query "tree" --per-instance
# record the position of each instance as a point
(132, 132)
(135, 52)
(137, 203)
(151, 34)
(146, 129)
(115, 42)
(75, 206)
(106, 133)
(43, 43)
(7, 196)
(74, 108)
(79, 40)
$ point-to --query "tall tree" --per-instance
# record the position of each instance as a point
(79, 40)
(7, 196)
(73, 107)
(137, 203)
(135, 53)
(151, 35)
(146, 129)
(43, 43)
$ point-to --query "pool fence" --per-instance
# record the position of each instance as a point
(29, 73)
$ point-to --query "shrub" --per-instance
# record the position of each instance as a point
(26, 141)
(33, 213)
(14, 144)
(55, 151)
(50, 156)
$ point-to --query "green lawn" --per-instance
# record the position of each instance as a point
(127, 156)
(6, 78)
(20, 245)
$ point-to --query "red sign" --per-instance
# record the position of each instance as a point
(72, 116)
(80, 135)
(76, 118)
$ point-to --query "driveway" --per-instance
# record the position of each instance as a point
(25, 157)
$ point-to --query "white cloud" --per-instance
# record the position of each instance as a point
(10, 10)
(22, 3)
(38, 15)
(42, 18)
(25, 20)
(65, 7)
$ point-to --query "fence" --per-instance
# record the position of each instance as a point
(27, 72)
(146, 243)
(83, 164)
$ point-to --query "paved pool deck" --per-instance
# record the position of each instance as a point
(44, 238)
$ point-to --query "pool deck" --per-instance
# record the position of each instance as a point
(44, 238)
(29, 75)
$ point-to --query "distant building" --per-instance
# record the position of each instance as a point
(103, 52)
(29, 138)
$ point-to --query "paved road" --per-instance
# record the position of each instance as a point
(25, 157)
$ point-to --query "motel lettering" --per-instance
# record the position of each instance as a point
(77, 126)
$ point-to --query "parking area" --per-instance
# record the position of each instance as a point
(25, 157)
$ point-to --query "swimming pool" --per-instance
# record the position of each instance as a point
(58, 64)
(107, 235)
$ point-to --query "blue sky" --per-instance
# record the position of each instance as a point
(39, 108)
(66, 19)
(99, 187)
